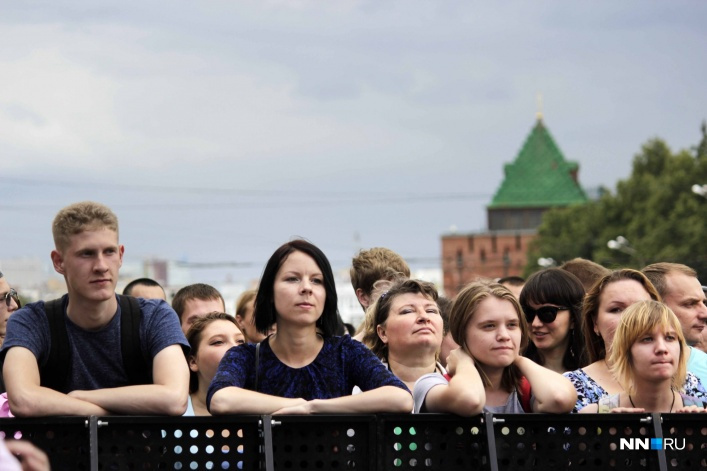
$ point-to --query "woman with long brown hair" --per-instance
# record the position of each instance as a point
(603, 308)
(488, 368)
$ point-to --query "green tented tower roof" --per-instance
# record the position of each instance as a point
(540, 177)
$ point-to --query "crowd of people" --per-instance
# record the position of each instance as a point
(575, 338)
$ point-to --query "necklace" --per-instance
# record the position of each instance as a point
(671, 405)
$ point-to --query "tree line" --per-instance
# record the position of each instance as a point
(655, 210)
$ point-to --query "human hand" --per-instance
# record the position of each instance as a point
(627, 410)
(520, 359)
(458, 357)
(30, 457)
(690, 410)
(85, 396)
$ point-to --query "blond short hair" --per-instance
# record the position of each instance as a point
(637, 320)
(79, 217)
(376, 264)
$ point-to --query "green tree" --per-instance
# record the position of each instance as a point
(655, 209)
(701, 149)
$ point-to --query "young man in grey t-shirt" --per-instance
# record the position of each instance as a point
(87, 253)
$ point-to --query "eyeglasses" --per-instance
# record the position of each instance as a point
(546, 314)
(12, 295)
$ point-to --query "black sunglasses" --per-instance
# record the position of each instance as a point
(546, 314)
(10, 295)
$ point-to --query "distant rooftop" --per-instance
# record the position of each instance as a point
(540, 177)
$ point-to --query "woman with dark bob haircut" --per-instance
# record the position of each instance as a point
(265, 314)
(302, 368)
(552, 302)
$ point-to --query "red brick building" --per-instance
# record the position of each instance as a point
(538, 179)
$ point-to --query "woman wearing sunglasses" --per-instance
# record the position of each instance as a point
(552, 302)
(603, 308)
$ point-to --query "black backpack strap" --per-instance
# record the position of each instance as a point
(138, 369)
(54, 372)
(257, 365)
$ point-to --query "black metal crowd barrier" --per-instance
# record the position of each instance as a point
(370, 442)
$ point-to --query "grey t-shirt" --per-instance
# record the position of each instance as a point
(96, 357)
(428, 381)
(422, 387)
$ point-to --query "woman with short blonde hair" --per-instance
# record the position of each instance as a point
(641, 319)
(648, 359)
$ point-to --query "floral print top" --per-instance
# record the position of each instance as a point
(589, 391)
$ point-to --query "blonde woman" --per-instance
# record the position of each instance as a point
(648, 358)
(602, 312)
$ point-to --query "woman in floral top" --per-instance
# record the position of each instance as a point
(649, 359)
(603, 307)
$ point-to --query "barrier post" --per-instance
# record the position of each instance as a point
(658, 432)
(490, 420)
(266, 427)
(92, 424)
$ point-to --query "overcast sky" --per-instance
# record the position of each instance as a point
(218, 130)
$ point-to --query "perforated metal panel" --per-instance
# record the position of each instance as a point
(433, 442)
(324, 442)
(688, 450)
(369, 442)
(578, 441)
(175, 443)
(64, 439)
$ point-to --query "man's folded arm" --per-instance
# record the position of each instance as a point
(167, 395)
(28, 399)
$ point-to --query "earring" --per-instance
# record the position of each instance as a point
(571, 333)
